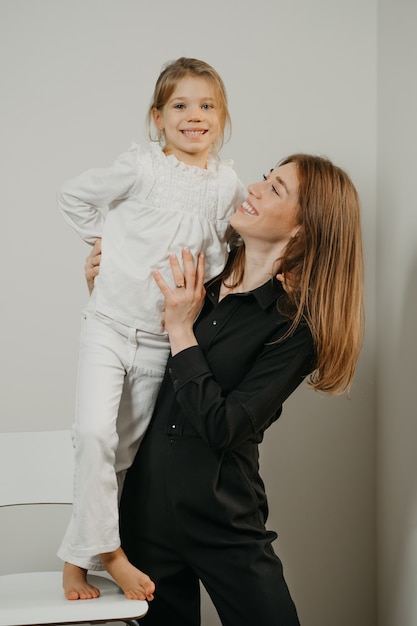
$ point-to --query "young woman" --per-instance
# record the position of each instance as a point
(288, 305)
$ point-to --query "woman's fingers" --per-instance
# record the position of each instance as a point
(183, 298)
(189, 268)
(193, 270)
(92, 264)
(190, 276)
(94, 258)
(96, 249)
(177, 272)
(161, 282)
(200, 273)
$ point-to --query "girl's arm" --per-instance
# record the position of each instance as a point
(85, 199)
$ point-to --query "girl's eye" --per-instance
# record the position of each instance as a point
(206, 107)
(179, 106)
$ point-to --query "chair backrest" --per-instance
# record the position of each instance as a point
(36, 467)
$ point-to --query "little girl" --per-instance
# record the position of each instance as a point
(156, 198)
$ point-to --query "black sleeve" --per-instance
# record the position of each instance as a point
(224, 422)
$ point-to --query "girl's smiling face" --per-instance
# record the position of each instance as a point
(190, 121)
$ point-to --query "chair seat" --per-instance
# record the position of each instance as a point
(38, 598)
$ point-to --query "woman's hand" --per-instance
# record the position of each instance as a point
(288, 282)
(183, 303)
(92, 265)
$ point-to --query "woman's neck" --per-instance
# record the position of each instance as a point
(259, 267)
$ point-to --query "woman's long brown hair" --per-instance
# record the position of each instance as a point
(323, 266)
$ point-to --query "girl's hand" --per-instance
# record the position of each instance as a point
(184, 302)
(92, 265)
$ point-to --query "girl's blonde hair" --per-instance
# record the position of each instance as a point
(323, 266)
(175, 71)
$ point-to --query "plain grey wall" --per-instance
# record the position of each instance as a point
(397, 314)
(77, 76)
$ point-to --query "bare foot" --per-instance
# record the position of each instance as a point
(135, 584)
(75, 584)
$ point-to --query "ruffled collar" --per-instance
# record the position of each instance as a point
(172, 161)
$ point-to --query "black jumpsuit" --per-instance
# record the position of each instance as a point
(194, 506)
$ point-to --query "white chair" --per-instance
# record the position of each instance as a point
(36, 468)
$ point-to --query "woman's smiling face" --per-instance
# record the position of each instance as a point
(270, 212)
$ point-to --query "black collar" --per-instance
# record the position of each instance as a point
(266, 295)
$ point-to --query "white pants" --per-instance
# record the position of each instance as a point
(119, 374)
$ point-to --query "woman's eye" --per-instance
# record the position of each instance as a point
(272, 186)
